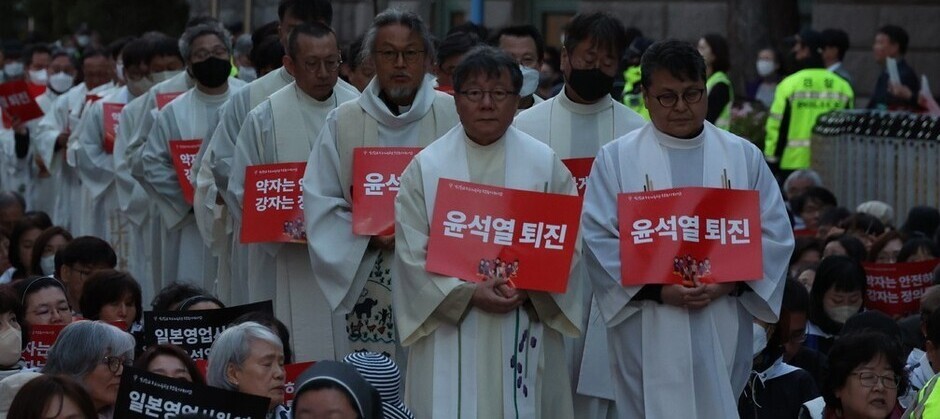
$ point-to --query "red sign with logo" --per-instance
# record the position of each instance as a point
(479, 231)
(896, 288)
(164, 98)
(16, 100)
(184, 154)
(690, 236)
(41, 338)
(273, 205)
(580, 169)
(112, 114)
(376, 178)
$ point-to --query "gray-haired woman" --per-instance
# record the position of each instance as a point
(249, 358)
(94, 354)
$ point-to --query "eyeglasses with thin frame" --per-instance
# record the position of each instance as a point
(331, 65)
(690, 96)
(203, 54)
(476, 95)
(115, 363)
(410, 56)
(870, 379)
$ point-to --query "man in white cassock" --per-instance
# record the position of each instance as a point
(283, 130)
(52, 138)
(680, 351)
(461, 335)
(206, 49)
(576, 123)
(214, 163)
(399, 108)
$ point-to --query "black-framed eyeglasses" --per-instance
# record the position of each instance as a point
(115, 363)
(476, 95)
(203, 54)
(690, 96)
(391, 56)
(870, 379)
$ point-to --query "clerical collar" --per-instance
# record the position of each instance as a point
(679, 143)
(205, 97)
(584, 108)
(312, 101)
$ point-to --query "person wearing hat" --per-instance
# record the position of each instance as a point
(385, 376)
(335, 389)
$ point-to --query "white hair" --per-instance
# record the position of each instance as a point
(233, 346)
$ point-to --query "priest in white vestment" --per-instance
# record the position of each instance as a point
(283, 130)
(399, 108)
(680, 351)
(461, 335)
(193, 115)
(576, 124)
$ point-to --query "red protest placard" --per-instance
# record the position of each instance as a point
(184, 153)
(35, 90)
(16, 100)
(376, 175)
(689, 236)
(164, 98)
(479, 231)
(273, 205)
(111, 112)
(580, 169)
(41, 338)
(896, 288)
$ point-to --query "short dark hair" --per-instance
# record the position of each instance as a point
(40, 218)
(803, 245)
(897, 35)
(108, 286)
(268, 320)
(490, 62)
(32, 50)
(178, 292)
(144, 360)
(40, 245)
(267, 54)
(36, 395)
(92, 52)
(854, 349)
(719, 47)
(164, 46)
(312, 29)
(922, 220)
(795, 297)
(863, 223)
(836, 272)
(912, 246)
(306, 10)
(117, 46)
(836, 38)
(817, 193)
(457, 43)
(522, 31)
(680, 58)
(136, 52)
(89, 250)
(602, 27)
(854, 248)
(16, 259)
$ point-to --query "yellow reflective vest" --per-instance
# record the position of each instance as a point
(724, 118)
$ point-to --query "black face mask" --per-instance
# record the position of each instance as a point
(212, 72)
(591, 84)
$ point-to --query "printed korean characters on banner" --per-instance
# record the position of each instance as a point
(580, 169)
(145, 395)
(183, 153)
(480, 231)
(41, 338)
(896, 288)
(16, 100)
(376, 178)
(690, 236)
(273, 204)
(291, 372)
(111, 112)
(165, 98)
(194, 331)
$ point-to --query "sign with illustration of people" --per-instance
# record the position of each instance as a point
(273, 203)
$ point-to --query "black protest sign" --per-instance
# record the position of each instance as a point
(146, 395)
(194, 331)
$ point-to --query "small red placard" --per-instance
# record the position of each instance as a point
(690, 236)
(580, 169)
(896, 288)
(479, 231)
(16, 100)
(273, 203)
(376, 177)
(164, 98)
(111, 112)
(184, 154)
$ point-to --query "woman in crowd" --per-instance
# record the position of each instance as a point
(763, 88)
(170, 361)
(268, 320)
(918, 249)
(47, 244)
(249, 358)
(845, 245)
(43, 302)
(94, 354)
(112, 296)
(182, 297)
(837, 294)
(52, 396)
(807, 251)
(22, 240)
(921, 221)
(714, 48)
(11, 335)
(885, 249)
(330, 387)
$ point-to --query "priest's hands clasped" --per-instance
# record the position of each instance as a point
(698, 296)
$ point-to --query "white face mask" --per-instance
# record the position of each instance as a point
(47, 263)
(530, 81)
(61, 82)
(119, 71)
(164, 75)
(841, 314)
(139, 87)
(247, 73)
(83, 40)
(39, 76)
(13, 69)
(765, 67)
(760, 338)
(10, 346)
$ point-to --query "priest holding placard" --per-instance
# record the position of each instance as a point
(283, 130)
(686, 242)
(486, 233)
